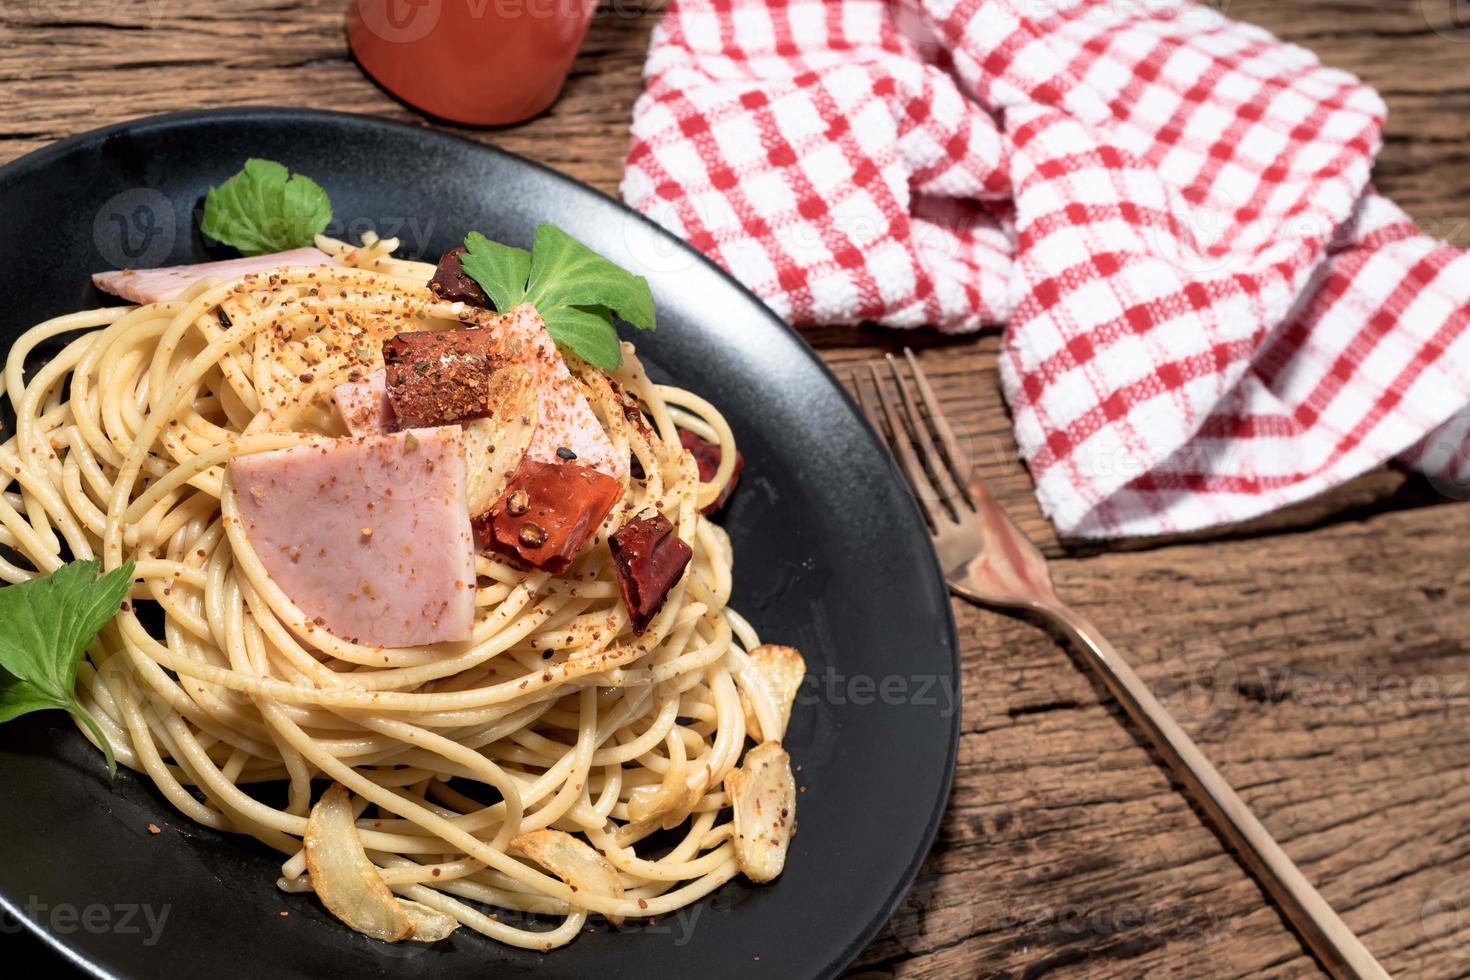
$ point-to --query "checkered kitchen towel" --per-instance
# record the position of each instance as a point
(1209, 312)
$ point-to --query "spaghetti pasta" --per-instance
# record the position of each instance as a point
(554, 715)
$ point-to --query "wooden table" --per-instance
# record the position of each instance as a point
(1321, 655)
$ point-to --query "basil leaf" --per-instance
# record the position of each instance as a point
(46, 624)
(564, 272)
(264, 209)
(576, 291)
(20, 698)
(501, 270)
(587, 332)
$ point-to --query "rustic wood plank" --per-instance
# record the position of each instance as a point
(65, 67)
(1066, 849)
(1327, 674)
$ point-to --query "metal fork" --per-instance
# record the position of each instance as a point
(987, 560)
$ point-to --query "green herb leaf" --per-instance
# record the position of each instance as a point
(501, 270)
(45, 626)
(576, 291)
(264, 209)
(587, 332)
(564, 272)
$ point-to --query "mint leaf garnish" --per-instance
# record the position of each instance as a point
(264, 209)
(576, 291)
(46, 624)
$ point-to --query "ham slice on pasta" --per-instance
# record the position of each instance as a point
(368, 537)
(160, 285)
(364, 405)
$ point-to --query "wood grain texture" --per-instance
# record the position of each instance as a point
(1321, 654)
(1327, 691)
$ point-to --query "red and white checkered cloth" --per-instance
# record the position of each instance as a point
(1209, 312)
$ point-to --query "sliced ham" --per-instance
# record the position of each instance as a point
(158, 285)
(364, 404)
(370, 537)
(566, 420)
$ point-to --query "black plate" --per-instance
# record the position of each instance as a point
(830, 557)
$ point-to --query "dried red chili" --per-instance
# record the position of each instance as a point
(648, 558)
(452, 285)
(707, 455)
(559, 505)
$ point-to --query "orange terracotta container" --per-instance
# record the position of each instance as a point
(480, 62)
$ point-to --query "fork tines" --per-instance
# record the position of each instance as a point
(918, 436)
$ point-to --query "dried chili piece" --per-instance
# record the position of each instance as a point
(648, 558)
(452, 285)
(707, 455)
(547, 512)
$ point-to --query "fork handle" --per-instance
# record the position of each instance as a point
(1341, 952)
